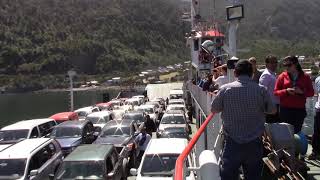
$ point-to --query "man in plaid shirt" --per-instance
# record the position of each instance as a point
(243, 104)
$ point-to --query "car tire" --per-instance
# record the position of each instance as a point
(125, 169)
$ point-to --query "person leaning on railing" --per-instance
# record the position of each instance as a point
(243, 104)
(293, 86)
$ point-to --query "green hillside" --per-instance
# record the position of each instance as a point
(92, 36)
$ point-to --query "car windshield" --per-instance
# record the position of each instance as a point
(12, 168)
(81, 170)
(173, 120)
(13, 135)
(176, 108)
(159, 164)
(175, 96)
(116, 131)
(146, 110)
(96, 120)
(137, 117)
(66, 132)
(176, 102)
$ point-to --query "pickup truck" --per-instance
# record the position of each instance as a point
(94, 161)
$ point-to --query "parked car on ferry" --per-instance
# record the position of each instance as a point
(105, 106)
(177, 101)
(141, 97)
(95, 161)
(99, 119)
(65, 116)
(118, 113)
(176, 94)
(174, 132)
(116, 102)
(176, 107)
(71, 134)
(159, 163)
(150, 110)
(132, 102)
(30, 159)
(27, 129)
(85, 111)
(137, 116)
(121, 134)
(173, 119)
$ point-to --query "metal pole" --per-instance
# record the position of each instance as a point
(71, 93)
(233, 37)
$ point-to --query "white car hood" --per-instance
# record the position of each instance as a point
(163, 126)
(3, 146)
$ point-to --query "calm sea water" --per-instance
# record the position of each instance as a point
(16, 107)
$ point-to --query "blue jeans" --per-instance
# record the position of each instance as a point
(248, 155)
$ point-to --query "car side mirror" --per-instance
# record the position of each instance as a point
(110, 174)
(51, 176)
(34, 172)
(133, 171)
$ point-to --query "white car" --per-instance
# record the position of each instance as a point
(85, 111)
(176, 94)
(30, 159)
(118, 113)
(150, 110)
(173, 119)
(159, 160)
(141, 97)
(176, 107)
(26, 129)
(99, 119)
(132, 102)
(177, 101)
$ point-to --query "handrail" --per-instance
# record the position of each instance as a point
(178, 175)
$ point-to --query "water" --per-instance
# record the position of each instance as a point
(16, 107)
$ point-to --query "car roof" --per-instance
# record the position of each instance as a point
(99, 114)
(62, 115)
(89, 108)
(78, 124)
(176, 105)
(92, 152)
(176, 100)
(176, 91)
(146, 106)
(156, 146)
(132, 99)
(134, 112)
(26, 124)
(138, 96)
(124, 122)
(23, 149)
(104, 104)
(174, 113)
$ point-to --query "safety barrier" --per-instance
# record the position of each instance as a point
(180, 163)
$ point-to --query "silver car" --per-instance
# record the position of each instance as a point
(34, 159)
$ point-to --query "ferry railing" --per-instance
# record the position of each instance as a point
(180, 168)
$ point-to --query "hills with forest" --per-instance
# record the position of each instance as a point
(91, 36)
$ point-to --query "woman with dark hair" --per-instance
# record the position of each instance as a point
(293, 87)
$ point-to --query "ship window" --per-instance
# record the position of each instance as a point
(196, 44)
